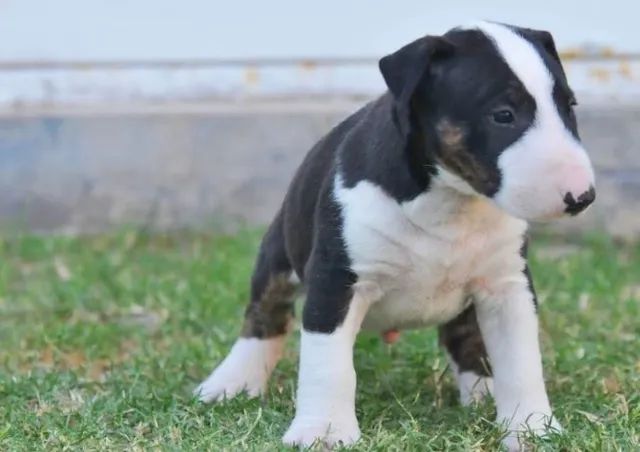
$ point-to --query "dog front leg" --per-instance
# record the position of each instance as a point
(509, 325)
(325, 406)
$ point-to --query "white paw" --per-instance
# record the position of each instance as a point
(226, 383)
(246, 368)
(305, 431)
(535, 424)
(473, 388)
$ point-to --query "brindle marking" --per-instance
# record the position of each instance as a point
(272, 293)
(462, 339)
(271, 315)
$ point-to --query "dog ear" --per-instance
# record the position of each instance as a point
(404, 69)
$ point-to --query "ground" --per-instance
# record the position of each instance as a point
(104, 338)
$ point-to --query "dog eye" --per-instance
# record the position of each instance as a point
(573, 102)
(504, 116)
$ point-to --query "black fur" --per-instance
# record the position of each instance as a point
(329, 278)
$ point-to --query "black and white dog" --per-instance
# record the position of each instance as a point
(412, 212)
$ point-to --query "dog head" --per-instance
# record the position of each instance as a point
(492, 104)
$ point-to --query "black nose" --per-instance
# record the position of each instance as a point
(575, 206)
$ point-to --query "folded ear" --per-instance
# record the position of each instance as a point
(404, 69)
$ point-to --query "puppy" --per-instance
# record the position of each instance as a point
(412, 212)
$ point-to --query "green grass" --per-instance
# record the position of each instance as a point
(102, 340)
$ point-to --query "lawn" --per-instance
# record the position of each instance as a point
(102, 340)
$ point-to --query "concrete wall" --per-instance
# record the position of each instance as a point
(91, 51)
(223, 164)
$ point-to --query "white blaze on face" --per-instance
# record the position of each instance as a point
(547, 162)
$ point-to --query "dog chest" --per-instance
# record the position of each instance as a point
(424, 289)
(422, 257)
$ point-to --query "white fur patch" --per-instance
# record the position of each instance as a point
(425, 255)
(294, 279)
(509, 324)
(325, 406)
(246, 368)
(472, 387)
(545, 164)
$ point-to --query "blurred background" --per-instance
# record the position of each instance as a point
(170, 114)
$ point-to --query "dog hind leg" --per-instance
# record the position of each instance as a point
(468, 359)
(267, 318)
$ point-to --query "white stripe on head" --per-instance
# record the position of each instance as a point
(522, 58)
(527, 64)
